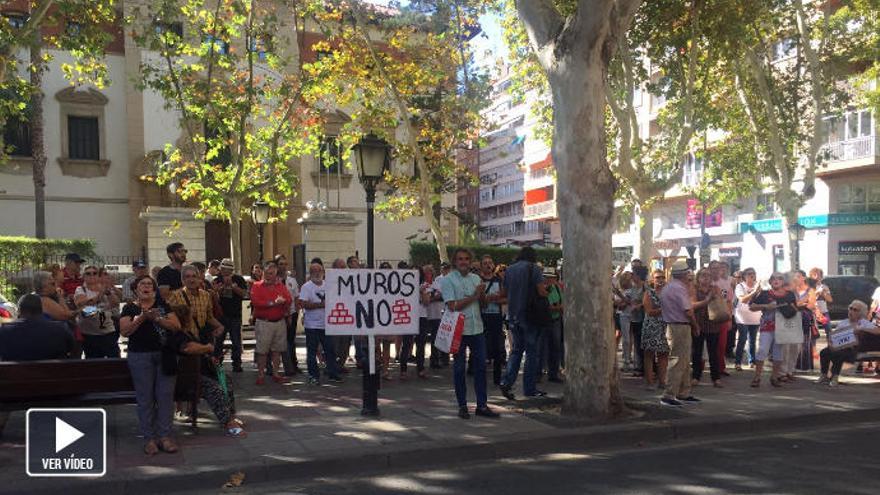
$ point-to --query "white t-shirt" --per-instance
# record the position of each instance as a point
(821, 304)
(435, 308)
(313, 293)
(101, 323)
(741, 313)
(292, 287)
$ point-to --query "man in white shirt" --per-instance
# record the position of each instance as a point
(291, 363)
(311, 299)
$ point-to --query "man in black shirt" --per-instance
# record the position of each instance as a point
(232, 289)
(32, 337)
(168, 278)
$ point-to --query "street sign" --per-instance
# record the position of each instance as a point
(66, 442)
(372, 302)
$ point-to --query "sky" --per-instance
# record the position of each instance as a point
(488, 46)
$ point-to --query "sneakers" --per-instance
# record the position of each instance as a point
(313, 381)
(486, 412)
(463, 413)
(690, 399)
(506, 392)
(823, 380)
(665, 401)
(833, 382)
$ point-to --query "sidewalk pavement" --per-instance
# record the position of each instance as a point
(301, 431)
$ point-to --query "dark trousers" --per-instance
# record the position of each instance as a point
(746, 333)
(835, 359)
(231, 327)
(710, 340)
(313, 337)
(551, 349)
(290, 356)
(477, 346)
(636, 327)
(493, 329)
(101, 346)
(419, 341)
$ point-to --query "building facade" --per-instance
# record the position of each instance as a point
(101, 142)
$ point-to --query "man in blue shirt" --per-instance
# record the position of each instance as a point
(463, 291)
(520, 282)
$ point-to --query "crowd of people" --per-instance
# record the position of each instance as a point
(671, 324)
(668, 331)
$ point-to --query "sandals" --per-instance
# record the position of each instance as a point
(167, 445)
(151, 448)
(756, 382)
(776, 382)
(236, 431)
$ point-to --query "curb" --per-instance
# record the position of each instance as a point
(432, 453)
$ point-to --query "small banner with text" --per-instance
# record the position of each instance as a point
(364, 302)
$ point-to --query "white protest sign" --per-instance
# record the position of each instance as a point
(372, 302)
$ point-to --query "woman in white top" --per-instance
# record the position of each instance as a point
(747, 321)
(95, 303)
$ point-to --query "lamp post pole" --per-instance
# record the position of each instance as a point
(260, 242)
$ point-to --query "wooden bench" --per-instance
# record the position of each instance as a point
(74, 383)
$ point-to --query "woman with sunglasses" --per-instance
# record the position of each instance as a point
(95, 302)
(867, 335)
(768, 302)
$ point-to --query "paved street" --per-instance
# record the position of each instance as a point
(839, 461)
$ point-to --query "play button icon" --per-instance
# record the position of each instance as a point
(65, 434)
(66, 442)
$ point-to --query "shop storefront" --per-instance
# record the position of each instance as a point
(858, 258)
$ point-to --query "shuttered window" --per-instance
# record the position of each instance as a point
(83, 138)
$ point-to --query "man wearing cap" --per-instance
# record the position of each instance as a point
(139, 267)
(232, 290)
(72, 277)
(169, 278)
(676, 306)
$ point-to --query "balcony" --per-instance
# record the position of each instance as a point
(860, 148)
(540, 211)
(536, 179)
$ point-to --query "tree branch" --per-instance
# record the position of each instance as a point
(814, 67)
(774, 133)
(543, 24)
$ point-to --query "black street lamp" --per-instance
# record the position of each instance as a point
(260, 215)
(795, 235)
(372, 155)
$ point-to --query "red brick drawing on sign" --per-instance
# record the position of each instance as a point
(339, 315)
(401, 312)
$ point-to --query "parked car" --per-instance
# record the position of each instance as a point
(845, 288)
(8, 310)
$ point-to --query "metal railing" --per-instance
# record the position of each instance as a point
(543, 209)
(851, 149)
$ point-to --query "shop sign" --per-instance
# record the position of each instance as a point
(813, 222)
(859, 247)
(730, 252)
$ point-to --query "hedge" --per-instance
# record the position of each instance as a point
(423, 253)
(21, 255)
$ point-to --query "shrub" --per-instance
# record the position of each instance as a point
(20, 256)
(422, 253)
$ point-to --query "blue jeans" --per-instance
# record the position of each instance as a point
(525, 340)
(313, 337)
(155, 394)
(744, 332)
(477, 345)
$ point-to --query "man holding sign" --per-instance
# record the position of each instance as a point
(462, 292)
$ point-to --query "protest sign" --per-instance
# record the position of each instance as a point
(372, 302)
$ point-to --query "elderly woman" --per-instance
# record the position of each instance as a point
(867, 334)
(148, 323)
(46, 287)
(95, 302)
(768, 302)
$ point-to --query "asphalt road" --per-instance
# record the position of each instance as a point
(827, 462)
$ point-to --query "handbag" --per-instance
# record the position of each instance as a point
(718, 312)
(537, 306)
(789, 330)
(448, 337)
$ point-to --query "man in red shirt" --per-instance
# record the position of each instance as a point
(72, 278)
(271, 302)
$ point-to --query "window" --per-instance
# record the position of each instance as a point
(17, 138)
(692, 170)
(16, 21)
(858, 198)
(765, 207)
(220, 46)
(330, 158)
(169, 27)
(83, 135)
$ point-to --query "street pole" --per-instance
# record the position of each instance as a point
(260, 242)
(704, 246)
(371, 378)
